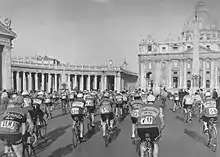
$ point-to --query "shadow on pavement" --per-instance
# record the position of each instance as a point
(51, 137)
(96, 129)
(63, 151)
(195, 136)
(180, 118)
(117, 131)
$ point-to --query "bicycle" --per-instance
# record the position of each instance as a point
(89, 121)
(40, 128)
(76, 132)
(188, 115)
(28, 149)
(64, 106)
(212, 132)
(109, 133)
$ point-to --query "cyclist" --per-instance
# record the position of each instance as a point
(188, 102)
(150, 118)
(106, 109)
(48, 103)
(77, 112)
(64, 97)
(90, 106)
(134, 108)
(118, 99)
(176, 101)
(209, 111)
(197, 103)
(13, 125)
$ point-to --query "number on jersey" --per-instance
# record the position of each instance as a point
(8, 124)
(89, 103)
(213, 111)
(74, 111)
(147, 120)
(105, 110)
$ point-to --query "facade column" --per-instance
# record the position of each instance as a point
(29, 81)
(181, 73)
(118, 82)
(24, 81)
(115, 82)
(88, 82)
(49, 83)
(43, 81)
(18, 85)
(68, 81)
(55, 82)
(141, 75)
(216, 74)
(12, 80)
(105, 82)
(203, 74)
(81, 82)
(36, 82)
(75, 81)
(95, 82)
(212, 83)
(169, 74)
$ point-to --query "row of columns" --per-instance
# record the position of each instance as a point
(32, 81)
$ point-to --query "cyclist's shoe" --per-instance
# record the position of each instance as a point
(82, 139)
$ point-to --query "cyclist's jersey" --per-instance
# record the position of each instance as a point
(64, 94)
(197, 99)
(135, 105)
(77, 107)
(210, 109)
(118, 99)
(188, 100)
(72, 95)
(27, 102)
(176, 97)
(106, 106)
(12, 120)
(148, 116)
(90, 101)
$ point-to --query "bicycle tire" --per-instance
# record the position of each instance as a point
(4, 155)
(75, 137)
(26, 152)
(44, 128)
(213, 140)
(30, 148)
(89, 123)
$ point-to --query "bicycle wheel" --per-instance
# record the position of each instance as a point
(213, 139)
(26, 152)
(75, 137)
(43, 129)
(89, 123)
(107, 136)
(30, 149)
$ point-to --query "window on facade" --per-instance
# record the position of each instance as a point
(208, 46)
(207, 72)
(188, 72)
(175, 82)
(149, 48)
(175, 48)
(163, 48)
(188, 47)
(188, 64)
(208, 64)
(175, 64)
(175, 73)
(207, 84)
(150, 65)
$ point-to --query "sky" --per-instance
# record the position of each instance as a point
(91, 32)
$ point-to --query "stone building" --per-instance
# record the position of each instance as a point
(171, 63)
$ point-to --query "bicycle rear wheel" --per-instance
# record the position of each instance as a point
(75, 137)
(213, 139)
(29, 149)
(43, 129)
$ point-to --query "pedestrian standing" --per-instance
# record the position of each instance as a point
(4, 99)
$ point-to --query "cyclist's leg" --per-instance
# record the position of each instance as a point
(205, 124)
(174, 106)
(134, 121)
(111, 119)
(154, 134)
(3, 139)
(141, 134)
(92, 112)
(103, 123)
(81, 117)
(17, 145)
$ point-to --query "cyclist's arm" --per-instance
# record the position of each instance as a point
(30, 122)
(161, 118)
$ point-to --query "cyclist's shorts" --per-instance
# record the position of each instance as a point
(13, 139)
(154, 133)
(91, 109)
(119, 105)
(133, 120)
(78, 117)
(109, 115)
(187, 106)
(206, 119)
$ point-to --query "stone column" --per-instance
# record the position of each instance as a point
(181, 73)
(184, 73)
(43, 81)
(216, 74)
(36, 82)
(18, 85)
(82, 82)
(105, 82)
(118, 81)
(12, 80)
(75, 81)
(95, 82)
(49, 82)
(55, 82)
(212, 83)
(68, 81)
(24, 81)
(88, 82)
(115, 82)
(141, 75)
(204, 74)
(29, 81)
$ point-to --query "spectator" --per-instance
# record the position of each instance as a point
(214, 94)
(4, 99)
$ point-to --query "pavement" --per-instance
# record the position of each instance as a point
(178, 139)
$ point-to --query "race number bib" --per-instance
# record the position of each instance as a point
(213, 111)
(134, 113)
(37, 101)
(105, 110)
(8, 124)
(147, 120)
(89, 103)
(74, 111)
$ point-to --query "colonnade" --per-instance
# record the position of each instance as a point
(35, 81)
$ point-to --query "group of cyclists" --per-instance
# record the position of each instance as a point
(145, 108)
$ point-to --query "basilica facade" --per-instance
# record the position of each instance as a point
(169, 63)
